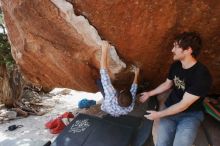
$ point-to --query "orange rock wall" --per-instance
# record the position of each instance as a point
(52, 52)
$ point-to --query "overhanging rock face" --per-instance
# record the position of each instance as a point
(57, 42)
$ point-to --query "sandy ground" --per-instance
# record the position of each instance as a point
(33, 132)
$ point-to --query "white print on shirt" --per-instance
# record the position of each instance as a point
(178, 83)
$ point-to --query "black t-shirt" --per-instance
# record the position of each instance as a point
(195, 80)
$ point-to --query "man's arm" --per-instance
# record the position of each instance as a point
(136, 73)
(105, 79)
(188, 99)
(160, 89)
(133, 89)
(105, 49)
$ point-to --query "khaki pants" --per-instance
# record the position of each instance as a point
(161, 99)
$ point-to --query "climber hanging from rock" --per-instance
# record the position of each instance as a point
(116, 102)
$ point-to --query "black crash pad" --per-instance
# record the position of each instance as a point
(127, 120)
(86, 130)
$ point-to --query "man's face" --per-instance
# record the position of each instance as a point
(178, 53)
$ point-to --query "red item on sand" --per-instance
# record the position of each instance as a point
(60, 126)
(57, 124)
(52, 123)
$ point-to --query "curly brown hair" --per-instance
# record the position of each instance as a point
(190, 39)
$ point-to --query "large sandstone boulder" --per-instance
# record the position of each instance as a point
(56, 43)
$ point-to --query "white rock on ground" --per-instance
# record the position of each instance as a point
(33, 132)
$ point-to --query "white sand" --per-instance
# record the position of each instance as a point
(33, 132)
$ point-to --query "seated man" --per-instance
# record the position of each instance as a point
(189, 81)
(115, 102)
